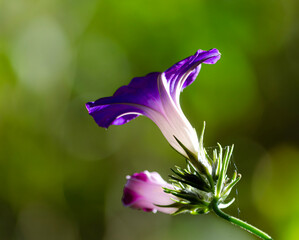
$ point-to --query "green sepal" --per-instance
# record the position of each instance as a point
(187, 206)
(192, 179)
(187, 195)
(225, 205)
(190, 183)
(173, 205)
(194, 210)
(223, 171)
(219, 161)
(193, 159)
(229, 187)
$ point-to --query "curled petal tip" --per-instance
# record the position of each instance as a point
(211, 56)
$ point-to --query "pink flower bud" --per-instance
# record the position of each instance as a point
(144, 191)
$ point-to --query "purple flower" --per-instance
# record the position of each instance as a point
(144, 190)
(156, 96)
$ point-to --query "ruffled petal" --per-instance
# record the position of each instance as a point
(127, 103)
(114, 114)
(183, 73)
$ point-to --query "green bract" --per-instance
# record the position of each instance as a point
(200, 187)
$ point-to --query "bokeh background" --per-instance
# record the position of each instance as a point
(61, 176)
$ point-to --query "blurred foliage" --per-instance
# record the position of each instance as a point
(61, 176)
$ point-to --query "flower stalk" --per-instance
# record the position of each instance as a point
(248, 227)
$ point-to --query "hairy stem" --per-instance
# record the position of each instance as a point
(240, 223)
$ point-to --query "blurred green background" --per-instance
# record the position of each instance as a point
(61, 176)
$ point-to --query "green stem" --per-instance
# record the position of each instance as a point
(240, 223)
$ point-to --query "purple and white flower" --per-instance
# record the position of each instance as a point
(145, 191)
(156, 96)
